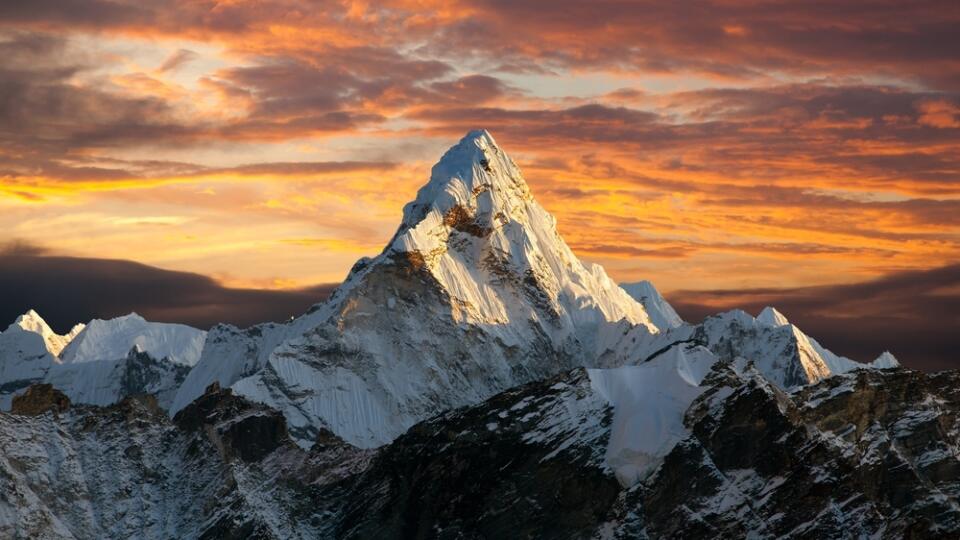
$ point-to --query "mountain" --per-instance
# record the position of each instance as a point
(24, 356)
(473, 380)
(475, 293)
(112, 339)
(31, 321)
(99, 363)
(784, 354)
(660, 311)
(867, 454)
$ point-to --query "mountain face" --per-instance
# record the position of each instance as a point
(105, 382)
(867, 454)
(114, 338)
(99, 363)
(782, 352)
(473, 380)
(661, 313)
(475, 293)
(55, 343)
(128, 471)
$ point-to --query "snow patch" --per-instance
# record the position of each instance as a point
(649, 402)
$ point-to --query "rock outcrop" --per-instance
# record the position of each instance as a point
(39, 399)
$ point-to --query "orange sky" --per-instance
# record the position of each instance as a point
(735, 144)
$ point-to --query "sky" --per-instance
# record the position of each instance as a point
(731, 151)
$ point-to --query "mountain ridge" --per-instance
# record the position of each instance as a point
(475, 343)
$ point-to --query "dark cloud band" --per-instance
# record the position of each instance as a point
(67, 290)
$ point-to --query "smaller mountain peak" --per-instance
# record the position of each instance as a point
(885, 360)
(481, 137)
(33, 322)
(661, 312)
(29, 316)
(737, 316)
(771, 317)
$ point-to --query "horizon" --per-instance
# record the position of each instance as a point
(32, 277)
(251, 154)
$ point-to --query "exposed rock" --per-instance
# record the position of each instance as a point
(867, 454)
(526, 464)
(39, 399)
(460, 219)
(236, 426)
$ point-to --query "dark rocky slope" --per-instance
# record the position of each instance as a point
(867, 454)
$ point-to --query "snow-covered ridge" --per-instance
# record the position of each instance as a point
(99, 363)
(782, 352)
(660, 311)
(33, 322)
(112, 339)
(771, 317)
(649, 402)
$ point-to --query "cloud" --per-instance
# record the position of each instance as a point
(738, 142)
(729, 39)
(726, 39)
(939, 113)
(914, 314)
(67, 290)
(177, 59)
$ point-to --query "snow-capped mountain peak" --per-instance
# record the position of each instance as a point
(886, 360)
(24, 359)
(477, 228)
(112, 340)
(474, 175)
(31, 321)
(660, 311)
(771, 317)
(782, 352)
(475, 293)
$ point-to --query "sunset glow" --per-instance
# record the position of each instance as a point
(271, 144)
